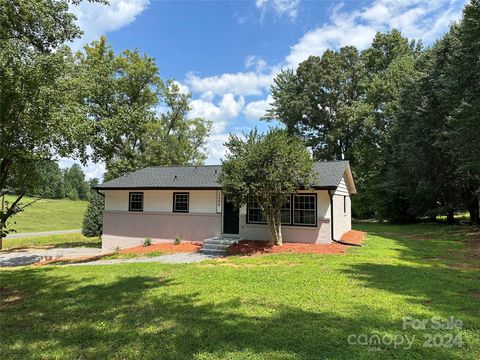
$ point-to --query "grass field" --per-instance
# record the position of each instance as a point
(56, 241)
(46, 215)
(284, 306)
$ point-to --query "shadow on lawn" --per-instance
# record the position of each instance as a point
(133, 317)
(438, 273)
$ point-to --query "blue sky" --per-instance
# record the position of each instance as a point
(226, 53)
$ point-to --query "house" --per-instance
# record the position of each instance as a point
(187, 202)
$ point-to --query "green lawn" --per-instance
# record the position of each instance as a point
(282, 306)
(63, 240)
(46, 215)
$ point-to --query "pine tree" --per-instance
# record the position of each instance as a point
(93, 220)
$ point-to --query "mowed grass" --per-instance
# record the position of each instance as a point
(282, 306)
(54, 241)
(48, 215)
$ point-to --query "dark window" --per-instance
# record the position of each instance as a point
(254, 212)
(180, 202)
(344, 204)
(304, 209)
(135, 201)
(286, 212)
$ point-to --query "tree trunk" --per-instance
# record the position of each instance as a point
(450, 217)
(278, 224)
(275, 228)
(474, 210)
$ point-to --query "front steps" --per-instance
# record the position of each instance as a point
(218, 245)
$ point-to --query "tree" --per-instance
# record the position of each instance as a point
(343, 105)
(122, 95)
(75, 183)
(93, 220)
(318, 102)
(268, 168)
(50, 183)
(461, 90)
(38, 117)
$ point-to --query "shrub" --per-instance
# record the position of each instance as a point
(93, 220)
(177, 241)
(147, 242)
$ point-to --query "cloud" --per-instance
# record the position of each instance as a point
(256, 63)
(416, 19)
(97, 19)
(242, 83)
(215, 149)
(256, 109)
(228, 108)
(279, 7)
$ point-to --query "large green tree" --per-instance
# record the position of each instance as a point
(267, 167)
(343, 104)
(319, 102)
(38, 117)
(138, 119)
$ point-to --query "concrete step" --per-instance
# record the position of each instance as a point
(219, 242)
(218, 245)
(212, 252)
(215, 246)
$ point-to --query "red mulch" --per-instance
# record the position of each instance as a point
(253, 247)
(164, 247)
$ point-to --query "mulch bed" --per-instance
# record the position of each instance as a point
(253, 247)
(165, 247)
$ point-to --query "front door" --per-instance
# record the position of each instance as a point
(230, 217)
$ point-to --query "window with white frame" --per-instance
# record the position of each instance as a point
(180, 202)
(304, 209)
(135, 202)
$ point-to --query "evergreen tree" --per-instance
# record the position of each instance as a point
(93, 220)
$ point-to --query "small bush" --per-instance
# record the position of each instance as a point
(147, 242)
(177, 241)
(117, 249)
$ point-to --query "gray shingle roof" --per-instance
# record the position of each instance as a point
(205, 177)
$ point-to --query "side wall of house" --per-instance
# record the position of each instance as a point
(305, 234)
(342, 211)
(123, 228)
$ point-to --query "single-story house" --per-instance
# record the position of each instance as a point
(187, 202)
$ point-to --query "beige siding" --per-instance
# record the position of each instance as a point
(201, 201)
(342, 217)
(124, 228)
(319, 234)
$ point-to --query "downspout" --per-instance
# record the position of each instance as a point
(331, 224)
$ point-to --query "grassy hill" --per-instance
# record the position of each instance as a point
(48, 215)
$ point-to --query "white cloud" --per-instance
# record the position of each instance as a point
(97, 19)
(280, 7)
(256, 109)
(215, 149)
(416, 19)
(256, 63)
(91, 169)
(242, 83)
(228, 108)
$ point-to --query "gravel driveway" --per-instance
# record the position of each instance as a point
(31, 256)
(178, 258)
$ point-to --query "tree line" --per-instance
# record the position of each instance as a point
(406, 116)
(92, 104)
(57, 183)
